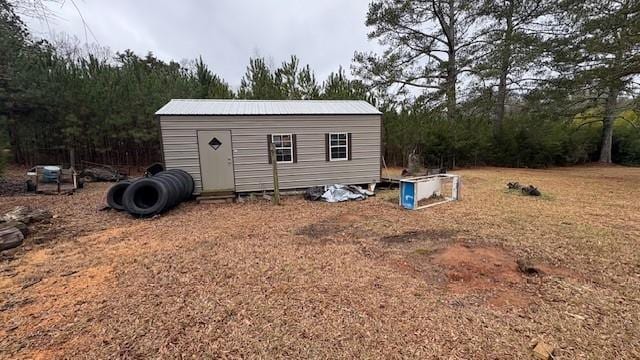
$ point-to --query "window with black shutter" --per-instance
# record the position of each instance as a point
(285, 147)
(338, 148)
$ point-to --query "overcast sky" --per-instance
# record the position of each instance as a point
(226, 33)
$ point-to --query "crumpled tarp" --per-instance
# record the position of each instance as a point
(337, 193)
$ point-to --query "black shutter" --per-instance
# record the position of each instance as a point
(326, 147)
(269, 147)
(294, 145)
(349, 146)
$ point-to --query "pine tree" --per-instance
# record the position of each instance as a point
(513, 40)
(259, 82)
(309, 89)
(600, 54)
(210, 85)
(339, 87)
(429, 43)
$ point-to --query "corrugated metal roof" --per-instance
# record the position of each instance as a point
(267, 107)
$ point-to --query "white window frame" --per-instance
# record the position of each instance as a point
(346, 146)
(290, 148)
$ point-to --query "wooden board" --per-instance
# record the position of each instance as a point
(10, 237)
(52, 188)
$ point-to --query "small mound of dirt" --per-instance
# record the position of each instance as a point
(472, 270)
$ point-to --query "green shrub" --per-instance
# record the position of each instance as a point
(626, 142)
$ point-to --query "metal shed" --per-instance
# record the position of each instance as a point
(224, 144)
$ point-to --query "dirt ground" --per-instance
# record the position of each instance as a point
(316, 280)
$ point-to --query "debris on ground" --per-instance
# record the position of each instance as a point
(543, 351)
(24, 229)
(100, 172)
(314, 193)
(12, 187)
(526, 190)
(10, 237)
(14, 225)
(427, 171)
(26, 215)
(430, 190)
(526, 267)
(338, 193)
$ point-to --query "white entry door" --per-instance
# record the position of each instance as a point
(216, 160)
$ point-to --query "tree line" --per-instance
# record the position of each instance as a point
(509, 82)
(460, 82)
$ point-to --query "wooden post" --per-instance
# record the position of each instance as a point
(72, 158)
(276, 183)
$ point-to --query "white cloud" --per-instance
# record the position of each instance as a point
(226, 33)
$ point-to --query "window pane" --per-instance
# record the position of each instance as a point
(284, 154)
(339, 152)
(280, 141)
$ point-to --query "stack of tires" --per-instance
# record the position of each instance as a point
(151, 195)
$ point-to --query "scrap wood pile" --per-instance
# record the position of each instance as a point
(526, 190)
(101, 172)
(425, 172)
(14, 225)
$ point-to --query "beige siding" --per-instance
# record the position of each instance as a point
(252, 170)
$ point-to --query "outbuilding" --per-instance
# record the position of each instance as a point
(224, 144)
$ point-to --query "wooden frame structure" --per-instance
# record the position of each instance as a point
(66, 181)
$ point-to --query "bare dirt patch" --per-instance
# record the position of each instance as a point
(344, 227)
(419, 235)
(482, 270)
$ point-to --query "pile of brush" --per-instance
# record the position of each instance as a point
(526, 190)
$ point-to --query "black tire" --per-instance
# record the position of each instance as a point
(31, 187)
(178, 179)
(115, 195)
(188, 180)
(154, 169)
(173, 185)
(146, 197)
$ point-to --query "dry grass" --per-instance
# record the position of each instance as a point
(360, 279)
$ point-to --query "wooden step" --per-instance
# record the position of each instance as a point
(216, 199)
(218, 193)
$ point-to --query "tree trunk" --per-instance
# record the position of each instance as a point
(607, 127)
(505, 64)
(452, 70)
(451, 87)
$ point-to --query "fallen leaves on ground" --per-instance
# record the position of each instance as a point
(358, 279)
